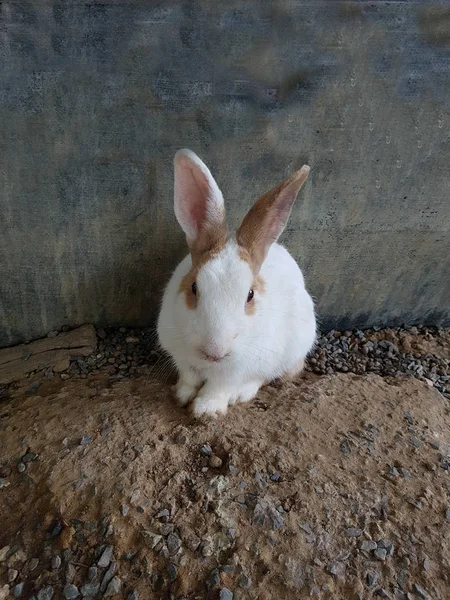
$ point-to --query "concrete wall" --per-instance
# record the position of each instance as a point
(95, 98)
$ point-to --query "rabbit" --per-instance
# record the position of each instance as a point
(235, 314)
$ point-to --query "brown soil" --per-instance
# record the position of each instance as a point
(309, 471)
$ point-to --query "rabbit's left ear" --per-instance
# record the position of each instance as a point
(266, 220)
(199, 205)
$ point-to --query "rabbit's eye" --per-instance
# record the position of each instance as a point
(194, 288)
(250, 296)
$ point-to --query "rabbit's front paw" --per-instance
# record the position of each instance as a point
(184, 392)
(207, 405)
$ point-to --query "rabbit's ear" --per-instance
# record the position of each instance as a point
(199, 206)
(266, 220)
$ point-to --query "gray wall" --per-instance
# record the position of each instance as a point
(96, 97)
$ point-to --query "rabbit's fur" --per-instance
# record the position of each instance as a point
(235, 314)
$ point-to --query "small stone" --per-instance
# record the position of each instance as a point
(70, 573)
(404, 473)
(372, 578)
(18, 589)
(55, 529)
(29, 457)
(124, 510)
(21, 467)
(206, 450)
(215, 462)
(3, 553)
(56, 563)
(90, 589)
(33, 564)
(150, 538)
(354, 532)
(244, 582)
(105, 558)
(173, 543)
(345, 447)
(113, 587)
(381, 553)
(419, 591)
(275, 477)
(133, 595)
(447, 514)
(4, 483)
(381, 592)
(46, 593)
(368, 546)
(166, 529)
(108, 576)
(92, 575)
(12, 575)
(225, 594)
(86, 439)
(163, 514)
(70, 591)
(172, 571)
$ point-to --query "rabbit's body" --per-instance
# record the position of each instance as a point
(232, 318)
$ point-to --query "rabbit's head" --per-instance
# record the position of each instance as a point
(221, 294)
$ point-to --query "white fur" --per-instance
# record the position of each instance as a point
(258, 347)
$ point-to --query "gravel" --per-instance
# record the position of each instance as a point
(18, 589)
(225, 594)
(70, 591)
(113, 587)
(45, 593)
(105, 558)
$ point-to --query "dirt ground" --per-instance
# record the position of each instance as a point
(329, 487)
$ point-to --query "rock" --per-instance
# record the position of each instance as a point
(55, 530)
(447, 514)
(18, 589)
(353, 532)
(206, 450)
(86, 439)
(4, 553)
(21, 467)
(243, 581)
(225, 594)
(4, 483)
(33, 564)
(70, 573)
(124, 510)
(108, 576)
(12, 575)
(45, 593)
(381, 592)
(372, 578)
(368, 545)
(113, 587)
(163, 514)
(419, 591)
(215, 462)
(133, 595)
(70, 591)
(89, 589)
(56, 563)
(4, 592)
(173, 543)
(105, 558)
(172, 572)
(150, 538)
(381, 553)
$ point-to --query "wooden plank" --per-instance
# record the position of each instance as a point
(54, 352)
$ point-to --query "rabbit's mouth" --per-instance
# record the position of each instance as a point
(213, 357)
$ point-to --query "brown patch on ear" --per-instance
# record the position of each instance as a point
(259, 287)
(267, 218)
(211, 240)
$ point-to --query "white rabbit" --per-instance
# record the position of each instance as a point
(235, 314)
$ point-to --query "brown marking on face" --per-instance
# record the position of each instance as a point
(201, 258)
(259, 287)
(265, 221)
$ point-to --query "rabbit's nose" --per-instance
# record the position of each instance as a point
(213, 354)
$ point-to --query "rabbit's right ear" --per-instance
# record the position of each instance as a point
(199, 205)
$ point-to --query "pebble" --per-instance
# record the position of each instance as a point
(4, 553)
(4, 483)
(215, 462)
(86, 439)
(133, 595)
(46, 593)
(70, 591)
(12, 575)
(225, 594)
(354, 532)
(21, 467)
(381, 553)
(90, 589)
(244, 582)
(151, 539)
(18, 589)
(105, 558)
(124, 510)
(447, 514)
(369, 545)
(33, 564)
(382, 593)
(173, 543)
(107, 577)
(372, 578)
(172, 571)
(92, 574)
(113, 587)
(56, 563)
(421, 592)
(206, 450)
(163, 514)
